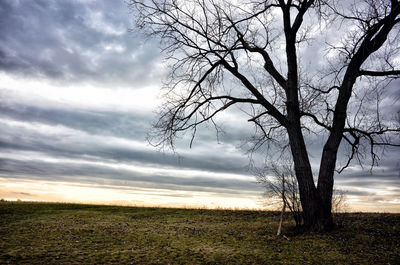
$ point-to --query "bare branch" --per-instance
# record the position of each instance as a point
(271, 109)
(380, 73)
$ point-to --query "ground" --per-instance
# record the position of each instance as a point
(46, 233)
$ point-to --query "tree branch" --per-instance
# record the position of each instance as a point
(299, 18)
(268, 64)
(273, 111)
(320, 123)
(379, 73)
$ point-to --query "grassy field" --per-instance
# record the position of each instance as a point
(39, 233)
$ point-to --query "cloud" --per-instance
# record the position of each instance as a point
(75, 41)
(98, 122)
(101, 172)
(83, 143)
(103, 136)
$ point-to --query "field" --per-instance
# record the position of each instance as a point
(45, 233)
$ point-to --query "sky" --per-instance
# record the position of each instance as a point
(78, 94)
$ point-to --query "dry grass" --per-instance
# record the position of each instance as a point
(40, 233)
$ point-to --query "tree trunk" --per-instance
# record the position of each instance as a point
(316, 203)
(316, 212)
(326, 181)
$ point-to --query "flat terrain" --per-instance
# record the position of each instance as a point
(44, 233)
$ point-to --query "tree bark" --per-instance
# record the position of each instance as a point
(316, 203)
(313, 209)
(315, 212)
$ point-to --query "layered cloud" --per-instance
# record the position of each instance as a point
(75, 41)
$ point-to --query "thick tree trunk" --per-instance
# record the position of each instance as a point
(316, 214)
(326, 181)
(316, 203)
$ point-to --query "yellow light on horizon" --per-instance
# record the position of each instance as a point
(54, 191)
(58, 191)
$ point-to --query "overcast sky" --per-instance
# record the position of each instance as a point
(78, 92)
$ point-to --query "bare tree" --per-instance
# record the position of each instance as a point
(280, 183)
(281, 190)
(339, 204)
(224, 53)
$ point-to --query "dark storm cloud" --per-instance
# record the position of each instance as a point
(74, 41)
